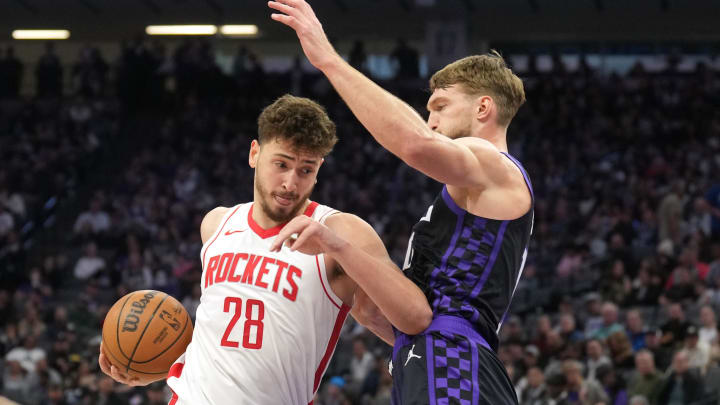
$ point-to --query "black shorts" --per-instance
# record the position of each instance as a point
(462, 369)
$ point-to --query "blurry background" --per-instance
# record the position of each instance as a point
(115, 143)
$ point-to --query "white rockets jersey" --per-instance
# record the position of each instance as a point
(267, 323)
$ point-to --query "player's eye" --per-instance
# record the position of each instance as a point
(281, 165)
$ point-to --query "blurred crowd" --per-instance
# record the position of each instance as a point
(617, 303)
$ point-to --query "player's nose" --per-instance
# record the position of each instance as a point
(432, 121)
(290, 181)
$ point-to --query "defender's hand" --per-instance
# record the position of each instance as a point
(115, 373)
(298, 15)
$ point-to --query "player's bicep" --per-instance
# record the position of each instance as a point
(360, 234)
(210, 222)
(462, 162)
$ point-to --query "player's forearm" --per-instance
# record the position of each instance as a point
(384, 332)
(399, 299)
(391, 121)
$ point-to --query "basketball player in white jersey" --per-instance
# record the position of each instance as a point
(270, 315)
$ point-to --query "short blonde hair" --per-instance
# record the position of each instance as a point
(484, 75)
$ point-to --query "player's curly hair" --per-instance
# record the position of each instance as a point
(484, 75)
(301, 121)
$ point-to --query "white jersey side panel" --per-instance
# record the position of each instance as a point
(267, 323)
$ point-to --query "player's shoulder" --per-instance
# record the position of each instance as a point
(506, 170)
(477, 144)
(211, 221)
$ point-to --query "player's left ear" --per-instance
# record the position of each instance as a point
(484, 108)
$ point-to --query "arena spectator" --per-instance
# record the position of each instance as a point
(621, 351)
(94, 221)
(682, 386)
(698, 352)
(646, 380)
(596, 357)
(635, 329)
(48, 73)
(670, 213)
(407, 60)
(27, 355)
(581, 390)
(89, 264)
(676, 327)
(613, 385)
(361, 364)
(531, 390)
(708, 332)
(610, 322)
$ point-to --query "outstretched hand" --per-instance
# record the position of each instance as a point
(298, 15)
(308, 236)
(115, 373)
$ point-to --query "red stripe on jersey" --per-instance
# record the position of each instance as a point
(310, 210)
(175, 371)
(266, 233)
(317, 261)
(218, 234)
(331, 346)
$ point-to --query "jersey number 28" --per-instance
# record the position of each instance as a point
(249, 322)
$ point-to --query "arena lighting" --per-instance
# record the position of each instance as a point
(245, 30)
(181, 30)
(41, 34)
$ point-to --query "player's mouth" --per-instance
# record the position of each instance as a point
(285, 201)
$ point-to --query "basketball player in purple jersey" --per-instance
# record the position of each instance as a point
(468, 251)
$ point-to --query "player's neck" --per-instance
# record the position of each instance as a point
(496, 136)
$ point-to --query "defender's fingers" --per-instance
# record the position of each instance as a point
(285, 19)
(283, 8)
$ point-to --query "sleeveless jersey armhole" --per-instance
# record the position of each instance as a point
(219, 229)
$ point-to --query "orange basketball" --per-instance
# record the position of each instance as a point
(145, 332)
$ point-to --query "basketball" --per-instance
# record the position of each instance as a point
(145, 332)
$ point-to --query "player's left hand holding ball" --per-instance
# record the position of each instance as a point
(298, 15)
(115, 373)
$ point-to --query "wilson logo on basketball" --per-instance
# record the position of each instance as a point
(136, 308)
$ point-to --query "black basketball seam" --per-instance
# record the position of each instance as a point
(143, 332)
(187, 316)
(134, 370)
(117, 329)
(113, 356)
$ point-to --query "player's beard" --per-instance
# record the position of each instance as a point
(279, 215)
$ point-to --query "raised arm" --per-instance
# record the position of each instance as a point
(391, 121)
